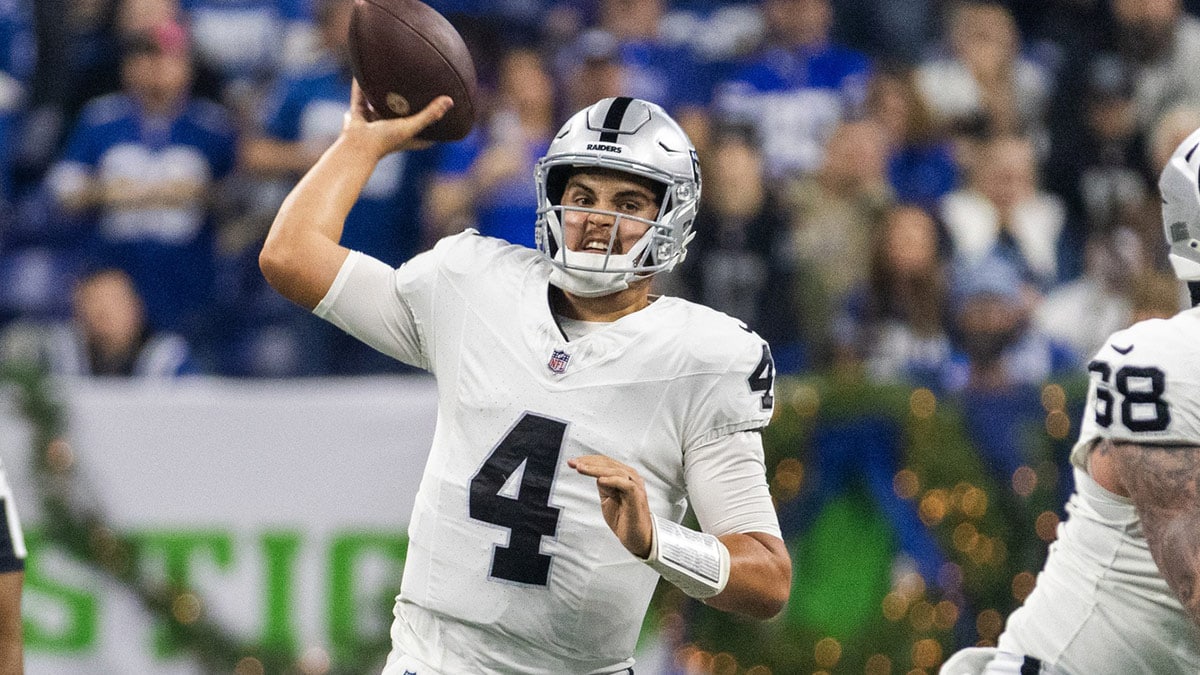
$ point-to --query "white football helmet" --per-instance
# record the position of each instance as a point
(1180, 188)
(635, 137)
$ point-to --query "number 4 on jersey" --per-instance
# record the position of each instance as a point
(536, 442)
(763, 377)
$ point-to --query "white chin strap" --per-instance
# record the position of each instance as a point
(576, 278)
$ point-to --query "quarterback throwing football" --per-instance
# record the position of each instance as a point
(578, 414)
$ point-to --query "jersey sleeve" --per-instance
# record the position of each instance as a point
(1145, 388)
(390, 309)
(727, 486)
(740, 397)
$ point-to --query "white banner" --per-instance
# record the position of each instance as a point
(282, 503)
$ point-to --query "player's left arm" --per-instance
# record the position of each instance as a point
(738, 563)
(728, 489)
(1164, 483)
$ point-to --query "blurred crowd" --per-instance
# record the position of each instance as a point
(960, 195)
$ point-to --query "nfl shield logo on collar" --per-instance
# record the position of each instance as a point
(558, 361)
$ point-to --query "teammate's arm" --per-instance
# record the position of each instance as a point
(301, 256)
(1164, 483)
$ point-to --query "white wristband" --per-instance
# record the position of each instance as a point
(696, 562)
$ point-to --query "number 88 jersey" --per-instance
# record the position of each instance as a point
(1145, 386)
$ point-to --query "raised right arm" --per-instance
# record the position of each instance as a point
(301, 256)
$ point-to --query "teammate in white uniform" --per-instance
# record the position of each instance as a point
(573, 405)
(1120, 591)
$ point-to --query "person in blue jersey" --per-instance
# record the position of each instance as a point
(482, 181)
(798, 86)
(141, 165)
(628, 36)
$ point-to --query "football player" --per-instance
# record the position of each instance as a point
(578, 414)
(1120, 590)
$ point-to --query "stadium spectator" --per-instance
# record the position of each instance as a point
(483, 180)
(665, 73)
(106, 336)
(1084, 312)
(1162, 44)
(832, 218)
(996, 374)
(735, 263)
(895, 323)
(983, 83)
(1101, 169)
(590, 68)
(890, 31)
(997, 345)
(1003, 210)
(142, 165)
(566, 331)
(921, 165)
(796, 88)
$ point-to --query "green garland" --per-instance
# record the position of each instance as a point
(847, 613)
(83, 533)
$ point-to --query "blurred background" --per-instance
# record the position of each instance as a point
(935, 211)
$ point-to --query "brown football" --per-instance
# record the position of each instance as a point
(405, 54)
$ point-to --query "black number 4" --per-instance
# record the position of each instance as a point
(1151, 385)
(763, 377)
(536, 442)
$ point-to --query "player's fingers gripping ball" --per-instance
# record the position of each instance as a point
(405, 55)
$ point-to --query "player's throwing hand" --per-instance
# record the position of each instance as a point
(383, 136)
(622, 500)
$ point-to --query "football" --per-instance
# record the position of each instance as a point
(404, 55)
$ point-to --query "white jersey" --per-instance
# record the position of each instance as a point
(510, 562)
(1101, 605)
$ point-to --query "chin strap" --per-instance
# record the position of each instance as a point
(697, 563)
(588, 283)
